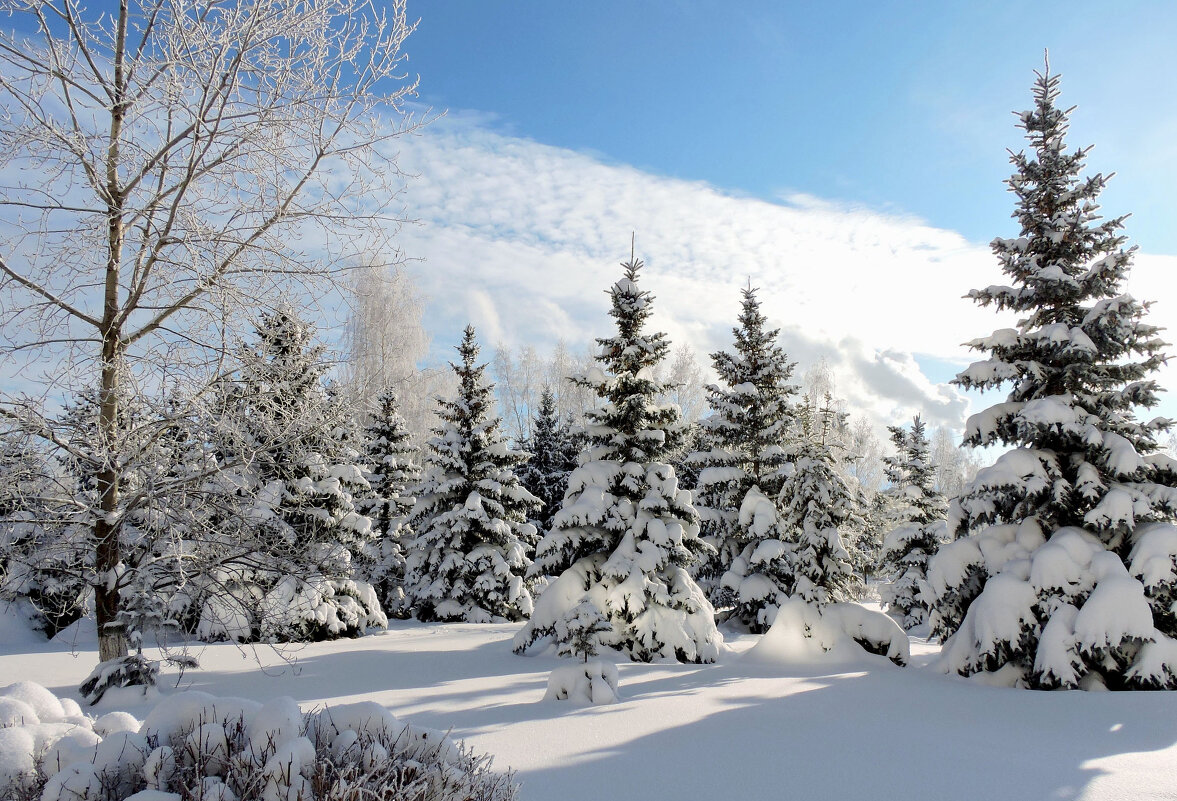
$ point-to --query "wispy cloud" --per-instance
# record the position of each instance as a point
(522, 239)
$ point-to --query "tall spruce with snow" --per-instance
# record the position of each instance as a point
(917, 513)
(468, 560)
(545, 475)
(391, 471)
(298, 506)
(626, 533)
(749, 432)
(1064, 574)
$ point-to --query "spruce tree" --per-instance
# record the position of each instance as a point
(817, 504)
(749, 434)
(298, 500)
(391, 472)
(469, 558)
(917, 515)
(545, 475)
(44, 568)
(626, 534)
(1063, 575)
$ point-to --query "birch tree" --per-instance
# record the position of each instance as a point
(165, 166)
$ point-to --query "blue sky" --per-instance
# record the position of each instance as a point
(899, 106)
(848, 158)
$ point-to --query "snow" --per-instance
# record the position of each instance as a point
(738, 728)
(585, 683)
(829, 635)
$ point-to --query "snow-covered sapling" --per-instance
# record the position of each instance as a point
(133, 670)
(580, 629)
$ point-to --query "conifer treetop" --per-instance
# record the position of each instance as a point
(630, 351)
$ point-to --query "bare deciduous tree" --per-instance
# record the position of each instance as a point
(164, 165)
(518, 380)
(386, 344)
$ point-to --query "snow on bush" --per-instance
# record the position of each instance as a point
(807, 633)
(318, 608)
(197, 746)
(586, 683)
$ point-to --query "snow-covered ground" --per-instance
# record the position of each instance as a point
(738, 729)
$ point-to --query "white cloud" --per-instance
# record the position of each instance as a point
(524, 239)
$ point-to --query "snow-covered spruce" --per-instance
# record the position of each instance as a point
(553, 458)
(749, 432)
(469, 558)
(195, 745)
(917, 516)
(295, 528)
(626, 534)
(391, 471)
(43, 554)
(817, 503)
(1064, 575)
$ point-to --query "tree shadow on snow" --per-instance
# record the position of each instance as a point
(878, 734)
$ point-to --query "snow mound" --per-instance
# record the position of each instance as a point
(197, 746)
(39, 733)
(831, 634)
(587, 683)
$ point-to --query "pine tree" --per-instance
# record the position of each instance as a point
(391, 472)
(545, 475)
(1064, 573)
(917, 513)
(749, 434)
(469, 558)
(626, 534)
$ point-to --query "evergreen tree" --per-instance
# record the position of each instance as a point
(545, 475)
(749, 437)
(687, 468)
(626, 534)
(917, 513)
(1064, 572)
(392, 471)
(299, 528)
(816, 503)
(44, 567)
(469, 558)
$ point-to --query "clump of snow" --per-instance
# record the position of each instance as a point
(588, 683)
(40, 700)
(15, 712)
(113, 722)
(810, 634)
(18, 762)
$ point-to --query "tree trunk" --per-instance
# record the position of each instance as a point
(112, 641)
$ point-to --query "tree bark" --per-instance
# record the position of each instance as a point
(112, 642)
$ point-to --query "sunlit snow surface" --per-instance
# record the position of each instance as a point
(737, 729)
